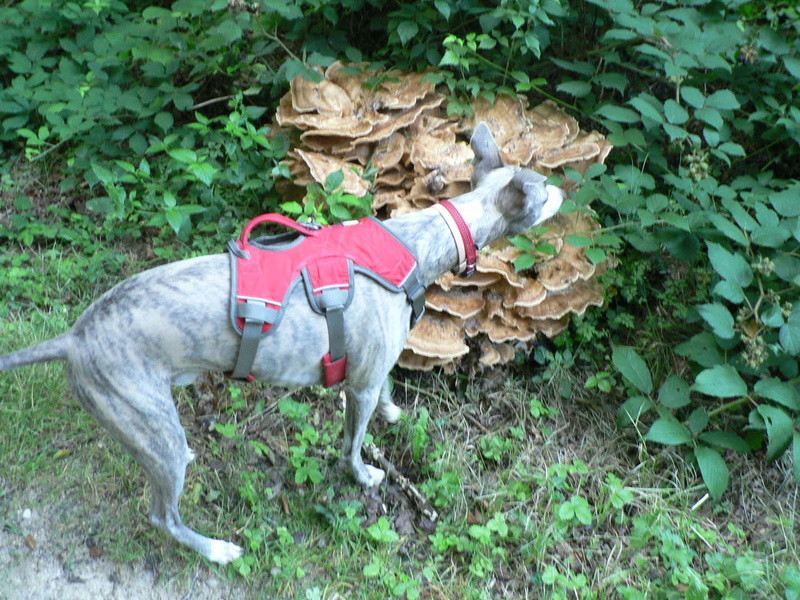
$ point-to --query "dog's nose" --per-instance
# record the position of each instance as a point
(555, 197)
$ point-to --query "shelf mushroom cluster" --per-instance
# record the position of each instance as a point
(390, 135)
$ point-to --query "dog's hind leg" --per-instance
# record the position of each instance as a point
(390, 412)
(144, 420)
(358, 411)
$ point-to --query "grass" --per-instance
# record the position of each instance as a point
(538, 493)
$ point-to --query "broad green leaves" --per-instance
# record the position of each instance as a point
(738, 234)
(633, 368)
(719, 318)
(720, 381)
(714, 470)
(668, 431)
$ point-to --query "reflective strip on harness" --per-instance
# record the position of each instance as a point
(264, 271)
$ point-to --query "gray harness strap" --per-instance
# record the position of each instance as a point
(255, 315)
(415, 292)
(332, 302)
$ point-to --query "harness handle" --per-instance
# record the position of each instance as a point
(280, 220)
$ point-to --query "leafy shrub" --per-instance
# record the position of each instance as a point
(708, 119)
(131, 97)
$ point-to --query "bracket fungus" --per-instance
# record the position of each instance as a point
(391, 135)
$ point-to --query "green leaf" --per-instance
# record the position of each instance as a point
(779, 391)
(674, 132)
(692, 96)
(633, 408)
(102, 205)
(205, 172)
(289, 10)
(579, 241)
(740, 215)
(788, 268)
(646, 109)
(292, 208)
(723, 100)
(381, 531)
(340, 213)
(702, 349)
(728, 229)
(698, 420)
(581, 67)
(524, 262)
(714, 470)
(229, 30)
(334, 180)
(633, 368)
(770, 236)
(164, 120)
(614, 81)
(183, 155)
(787, 202)
(792, 64)
(719, 318)
(720, 381)
(668, 431)
(674, 392)
(106, 176)
(789, 335)
(772, 316)
(731, 149)
(596, 255)
(443, 7)
(675, 113)
(176, 219)
(579, 89)
(726, 439)
(730, 265)
(780, 429)
(796, 456)
(371, 570)
(618, 114)
(19, 63)
(730, 290)
(407, 30)
(710, 116)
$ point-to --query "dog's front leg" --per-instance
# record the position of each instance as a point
(360, 404)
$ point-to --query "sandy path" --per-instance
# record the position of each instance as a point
(37, 565)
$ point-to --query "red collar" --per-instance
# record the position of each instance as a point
(465, 243)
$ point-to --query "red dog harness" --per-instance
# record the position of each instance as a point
(264, 271)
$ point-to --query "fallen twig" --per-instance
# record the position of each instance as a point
(409, 488)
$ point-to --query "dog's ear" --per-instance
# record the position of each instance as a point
(487, 154)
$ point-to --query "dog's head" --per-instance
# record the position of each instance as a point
(524, 199)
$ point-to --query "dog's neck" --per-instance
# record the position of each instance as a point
(427, 235)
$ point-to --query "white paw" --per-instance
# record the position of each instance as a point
(391, 413)
(223, 552)
(370, 476)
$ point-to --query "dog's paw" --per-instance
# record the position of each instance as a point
(370, 476)
(223, 552)
(391, 413)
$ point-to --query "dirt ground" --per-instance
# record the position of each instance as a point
(35, 564)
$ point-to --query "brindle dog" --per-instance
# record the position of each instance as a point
(166, 325)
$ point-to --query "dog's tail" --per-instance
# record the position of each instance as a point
(54, 349)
